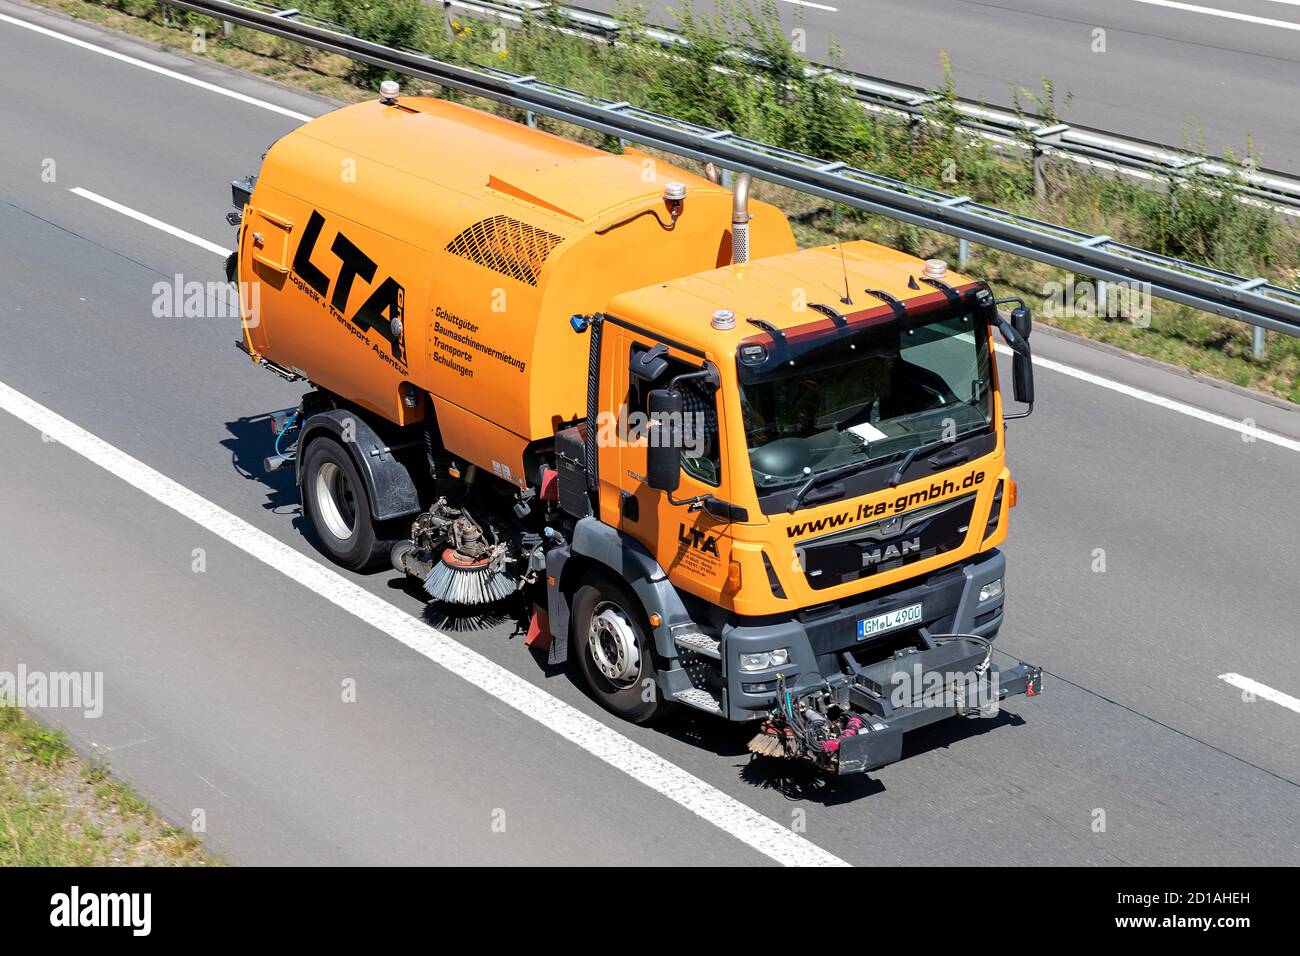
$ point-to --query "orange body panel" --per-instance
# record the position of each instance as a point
(491, 230)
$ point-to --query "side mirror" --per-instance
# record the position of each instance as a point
(1022, 378)
(1013, 337)
(664, 451)
(1022, 364)
(1022, 321)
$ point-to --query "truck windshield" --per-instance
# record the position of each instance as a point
(867, 398)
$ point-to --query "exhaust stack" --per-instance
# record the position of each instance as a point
(740, 220)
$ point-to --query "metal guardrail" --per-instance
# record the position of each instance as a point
(1254, 301)
(1008, 128)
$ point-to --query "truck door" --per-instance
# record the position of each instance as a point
(692, 546)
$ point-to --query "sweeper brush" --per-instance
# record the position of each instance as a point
(773, 741)
(458, 580)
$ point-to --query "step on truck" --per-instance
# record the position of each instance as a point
(706, 468)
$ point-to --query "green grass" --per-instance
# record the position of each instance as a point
(778, 104)
(56, 810)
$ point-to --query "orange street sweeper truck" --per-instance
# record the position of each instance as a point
(612, 397)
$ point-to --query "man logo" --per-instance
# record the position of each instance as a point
(891, 551)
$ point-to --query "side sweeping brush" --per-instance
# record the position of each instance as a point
(773, 740)
(457, 580)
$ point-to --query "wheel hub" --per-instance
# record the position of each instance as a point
(336, 501)
(611, 641)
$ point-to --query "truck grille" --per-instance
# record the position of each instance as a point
(884, 545)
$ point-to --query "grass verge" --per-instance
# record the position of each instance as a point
(777, 103)
(56, 810)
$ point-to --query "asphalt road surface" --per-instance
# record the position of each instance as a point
(1210, 75)
(228, 648)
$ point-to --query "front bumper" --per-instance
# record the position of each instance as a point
(916, 690)
(824, 643)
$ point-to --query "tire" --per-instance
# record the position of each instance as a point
(605, 608)
(335, 499)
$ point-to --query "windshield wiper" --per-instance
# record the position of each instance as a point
(924, 448)
(821, 477)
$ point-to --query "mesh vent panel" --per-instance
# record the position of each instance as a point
(507, 246)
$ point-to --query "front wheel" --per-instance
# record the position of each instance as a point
(334, 498)
(614, 652)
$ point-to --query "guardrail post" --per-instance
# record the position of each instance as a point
(531, 119)
(915, 126)
(1097, 242)
(963, 244)
(1040, 157)
(1257, 341)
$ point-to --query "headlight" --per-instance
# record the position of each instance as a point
(764, 659)
(991, 590)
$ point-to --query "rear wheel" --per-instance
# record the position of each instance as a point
(614, 651)
(334, 498)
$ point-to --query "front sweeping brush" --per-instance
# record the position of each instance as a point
(460, 580)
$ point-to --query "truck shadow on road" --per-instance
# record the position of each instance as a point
(250, 443)
(798, 779)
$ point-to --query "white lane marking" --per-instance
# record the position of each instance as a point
(150, 221)
(815, 6)
(1262, 690)
(1227, 14)
(152, 68)
(728, 814)
(1172, 405)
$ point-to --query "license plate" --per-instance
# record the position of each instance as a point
(889, 620)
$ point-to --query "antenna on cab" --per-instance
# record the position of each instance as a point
(846, 299)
